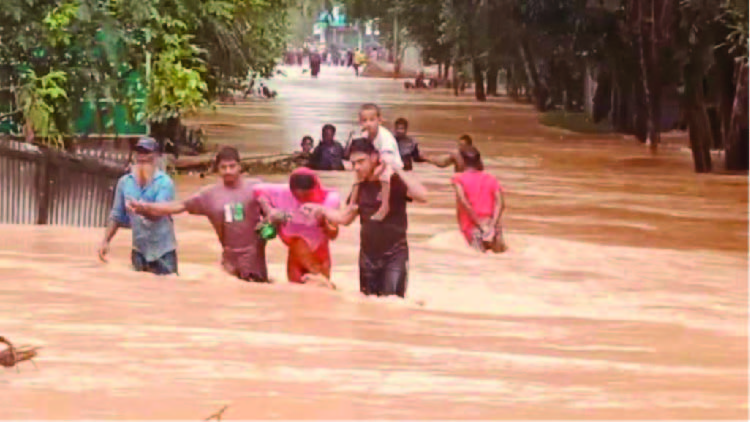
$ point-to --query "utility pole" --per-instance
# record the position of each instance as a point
(396, 56)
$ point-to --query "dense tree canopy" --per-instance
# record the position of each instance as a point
(57, 54)
(641, 55)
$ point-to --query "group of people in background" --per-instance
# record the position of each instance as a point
(307, 215)
(354, 58)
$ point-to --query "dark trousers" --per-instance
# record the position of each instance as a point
(387, 274)
(164, 265)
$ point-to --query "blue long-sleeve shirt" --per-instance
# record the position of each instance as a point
(151, 238)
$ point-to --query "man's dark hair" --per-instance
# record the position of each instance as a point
(471, 157)
(401, 122)
(301, 182)
(370, 106)
(226, 154)
(467, 139)
(329, 127)
(362, 145)
(306, 139)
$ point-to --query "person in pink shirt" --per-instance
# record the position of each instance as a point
(307, 237)
(480, 204)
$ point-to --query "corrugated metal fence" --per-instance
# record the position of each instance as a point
(44, 186)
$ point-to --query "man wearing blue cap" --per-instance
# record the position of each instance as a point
(153, 238)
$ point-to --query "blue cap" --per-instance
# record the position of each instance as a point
(147, 144)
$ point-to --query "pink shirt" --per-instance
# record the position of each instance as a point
(480, 189)
(300, 225)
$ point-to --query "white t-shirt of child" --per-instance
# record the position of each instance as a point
(386, 144)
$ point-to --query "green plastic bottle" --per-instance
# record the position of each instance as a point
(267, 231)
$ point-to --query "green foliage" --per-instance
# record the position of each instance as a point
(182, 48)
(38, 98)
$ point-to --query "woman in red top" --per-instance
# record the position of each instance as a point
(480, 204)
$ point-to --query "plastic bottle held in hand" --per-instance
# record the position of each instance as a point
(267, 231)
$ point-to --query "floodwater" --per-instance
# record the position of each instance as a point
(623, 295)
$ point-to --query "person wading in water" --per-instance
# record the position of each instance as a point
(452, 158)
(384, 251)
(234, 213)
(407, 146)
(480, 204)
(329, 154)
(153, 238)
(306, 237)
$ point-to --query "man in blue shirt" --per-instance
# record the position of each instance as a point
(153, 238)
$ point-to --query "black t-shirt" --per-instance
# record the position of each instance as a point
(328, 156)
(378, 237)
(409, 151)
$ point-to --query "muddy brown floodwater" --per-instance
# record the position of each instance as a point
(624, 293)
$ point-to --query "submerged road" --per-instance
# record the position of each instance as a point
(623, 296)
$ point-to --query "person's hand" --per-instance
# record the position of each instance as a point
(136, 207)
(313, 210)
(103, 251)
(488, 233)
(279, 217)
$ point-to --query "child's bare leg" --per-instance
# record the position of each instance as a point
(385, 194)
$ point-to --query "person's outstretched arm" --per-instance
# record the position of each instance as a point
(160, 209)
(441, 161)
(343, 216)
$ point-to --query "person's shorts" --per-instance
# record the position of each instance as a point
(164, 265)
(385, 275)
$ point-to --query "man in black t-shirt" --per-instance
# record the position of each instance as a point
(329, 154)
(384, 252)
(407, 146)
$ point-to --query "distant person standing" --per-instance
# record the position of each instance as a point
(359, 60)
(329, 154)
(349, 58)
(480, 204)
(302, 158)
(315, 60)
(407, 146)
(154, 244)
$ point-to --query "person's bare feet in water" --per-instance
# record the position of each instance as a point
(318, 280)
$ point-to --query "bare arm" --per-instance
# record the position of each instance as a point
(344, 216)
(499, 207)
(159, 209)
(464, 201)
(441, 161)
(111, 230)
(414, 187)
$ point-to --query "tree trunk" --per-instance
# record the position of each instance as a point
(478, 81)
(699, 127)
(455, 66)
(736, 152)
(440, 71)
(492, 72)
(649, 64)
(538, 90)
